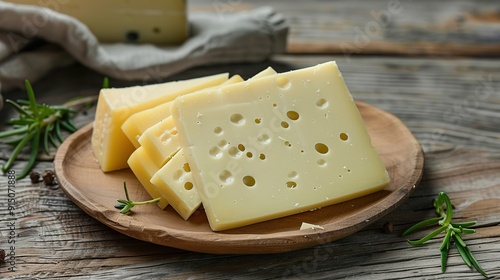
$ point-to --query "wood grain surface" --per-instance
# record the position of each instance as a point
(394, 27)
(451, 104)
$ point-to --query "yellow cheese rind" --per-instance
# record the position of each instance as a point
(110, 145)
(143, 168)
(277, 146)
(175, 182)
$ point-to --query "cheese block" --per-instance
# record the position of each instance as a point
(175, 182)
(132, 21)
(276, 146)
(110, 145)
(144, 168)
(136, 124)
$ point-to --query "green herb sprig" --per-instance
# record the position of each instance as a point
(453, 232)
(126, 204)
(38, 125)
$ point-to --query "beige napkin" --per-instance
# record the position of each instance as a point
(35, 40)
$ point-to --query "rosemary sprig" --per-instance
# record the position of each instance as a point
(36, 125)
(126, 204)
(453, 232)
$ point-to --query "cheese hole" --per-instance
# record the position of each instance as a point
(258, 121)
(321, 148)
(292, 174)
(322, 103)
(284, 124)
(275, 105)
(186, 167)
(262, 156)
(283, 82)
(177, 175)
(241, 147)
(215, 152)
(249, 181)
(226, 177)
(292, 115)
(223, 144)
(264, 138)
(234, 152)
(288, 144)
(188, 186)
(218, 130)
(344, 136)
(173, 132)
(291, 184)
(249, 155)
(237, 119)
(164, 137)
(321, 162)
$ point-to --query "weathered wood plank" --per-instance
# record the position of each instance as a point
(401, 27)
(450, 105)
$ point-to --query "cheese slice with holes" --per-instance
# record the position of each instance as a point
(175, 182)
(276, 146)
(110, 145)
(160, 139)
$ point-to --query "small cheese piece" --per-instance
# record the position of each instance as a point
(144, 168)
(305, 226)
(136, 124)
(276, 146)
(175, 182)
(110, 145)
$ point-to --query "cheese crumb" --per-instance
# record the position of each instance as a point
(305, 226)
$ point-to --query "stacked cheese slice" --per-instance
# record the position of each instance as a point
(250, 151)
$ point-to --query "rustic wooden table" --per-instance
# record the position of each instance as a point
(432, 64)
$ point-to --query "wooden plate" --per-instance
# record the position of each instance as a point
(96, 193)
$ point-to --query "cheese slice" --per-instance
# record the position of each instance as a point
(175, 182)
(139, 122)
(144, 168)
(161, 143)
(276, 146)
(135, 125)
(110, 145)
(269, 71)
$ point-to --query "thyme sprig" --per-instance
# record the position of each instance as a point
(453, 232)
(126, 204)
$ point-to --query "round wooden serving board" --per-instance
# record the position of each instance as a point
(96, 193)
